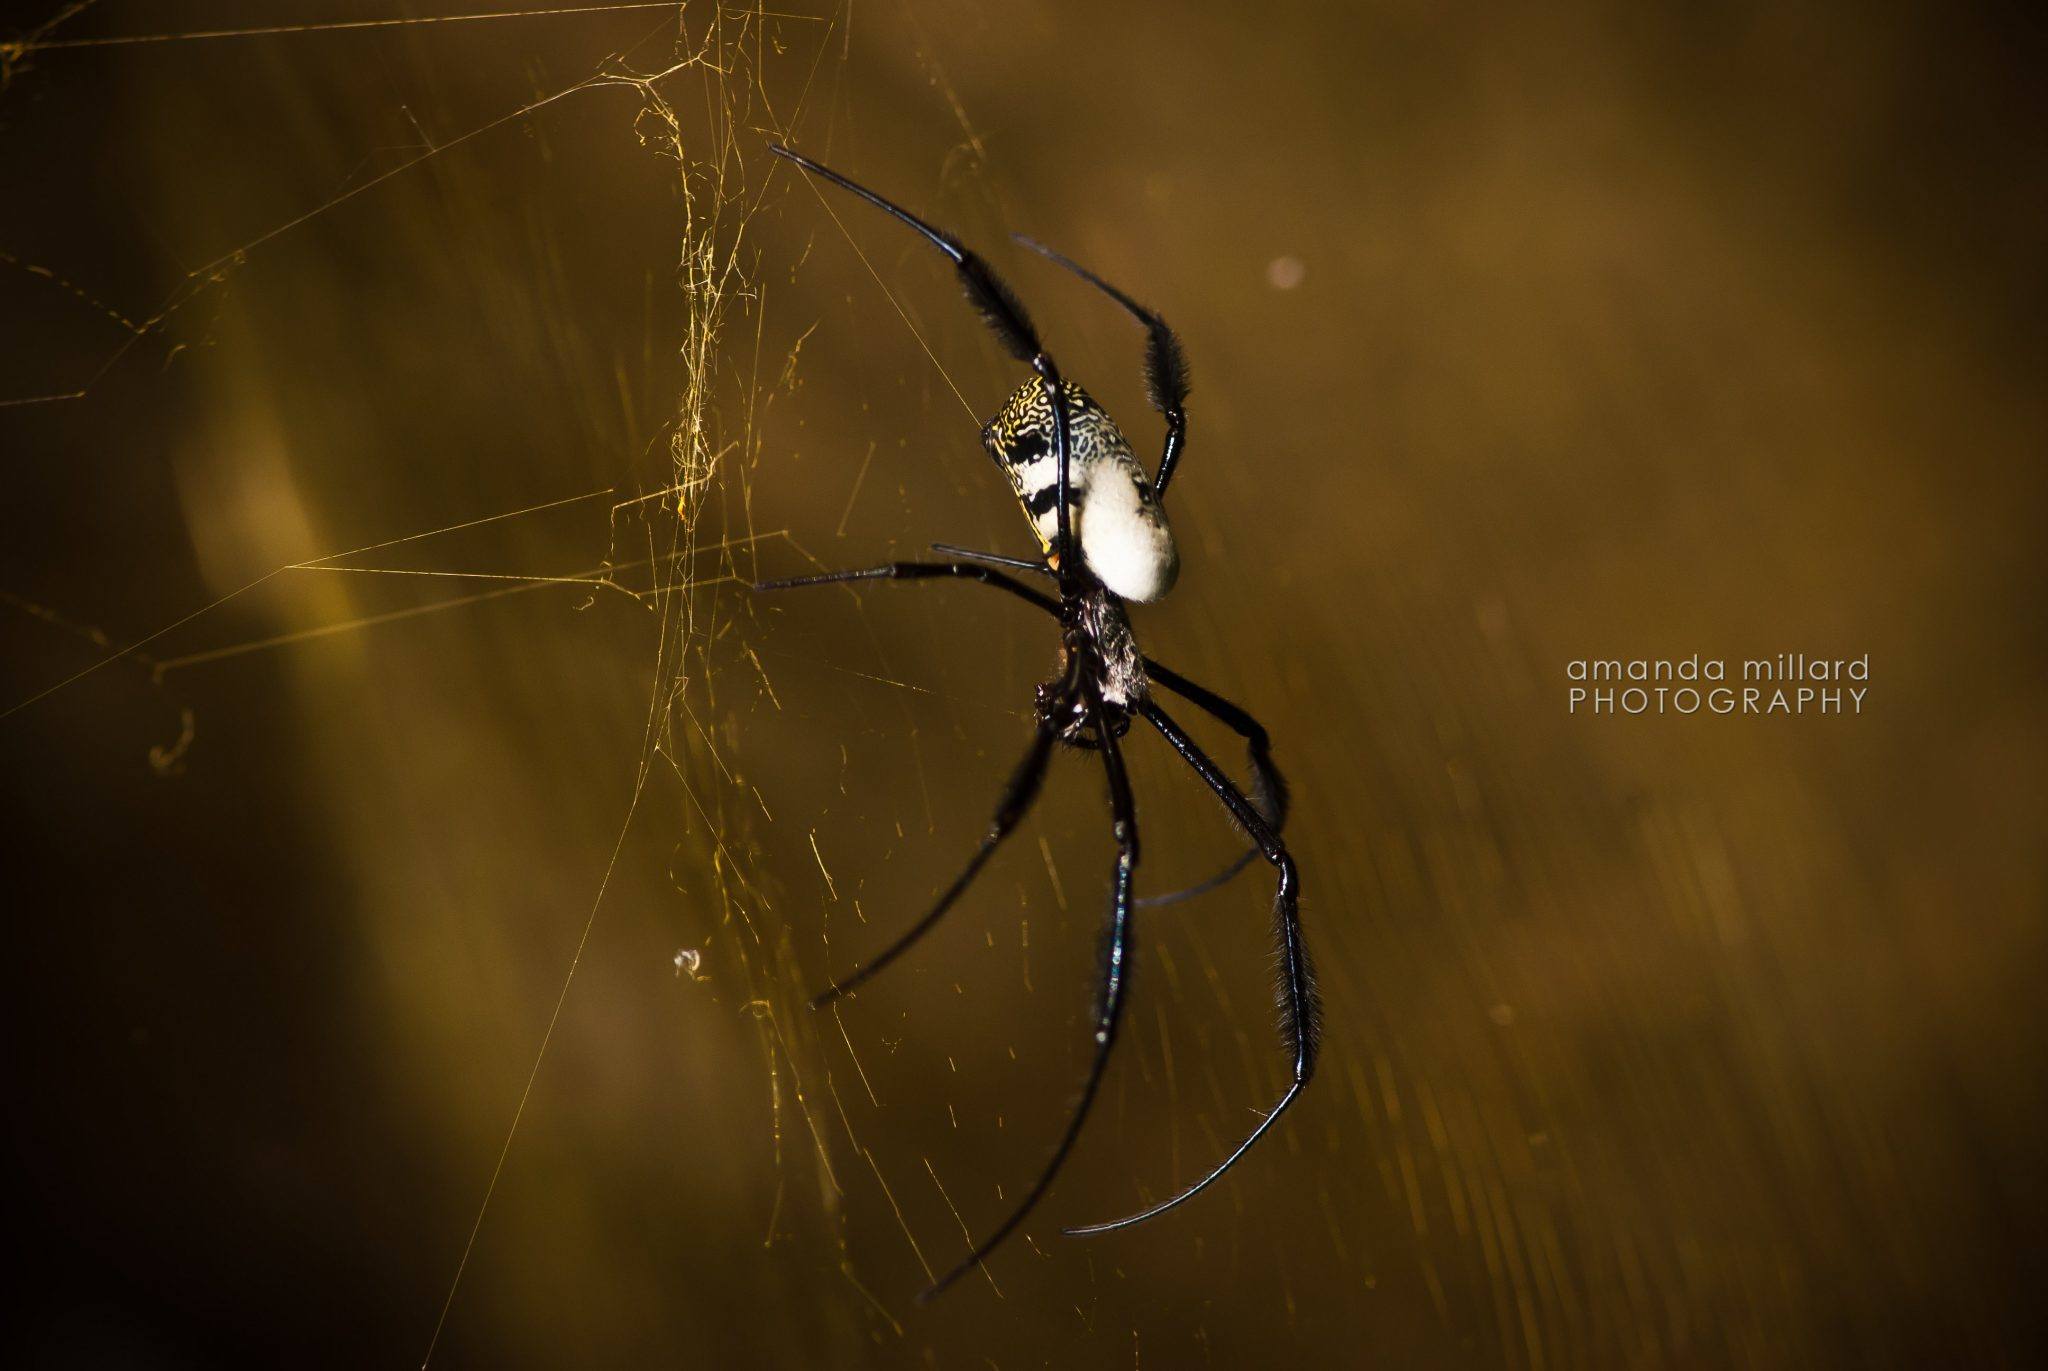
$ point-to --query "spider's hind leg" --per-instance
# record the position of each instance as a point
(991, 296)
(1166, 364)
(1005, 316)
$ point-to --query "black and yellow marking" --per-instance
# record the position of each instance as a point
(1020, 439)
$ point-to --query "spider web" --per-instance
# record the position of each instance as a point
(338, 595)
(421, 848)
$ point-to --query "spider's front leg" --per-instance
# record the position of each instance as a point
(1269, 794)
(1109, 1003)
(1269, 787)
(1017, 798)
(1300, 1010)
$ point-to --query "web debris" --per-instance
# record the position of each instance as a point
(675, 550)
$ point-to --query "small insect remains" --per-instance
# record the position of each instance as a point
(1104, 540)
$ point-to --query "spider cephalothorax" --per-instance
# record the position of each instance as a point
(1097, 645)
(1104, 539)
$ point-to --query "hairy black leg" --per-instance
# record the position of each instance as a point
(1109, 1004)
(1016, 801)
(989, 293)
(1166, 365)
(919, 571)
(1005, 316)
(1300, 1013)
(1024, 783)
(1272, 804)
(1269, 794)
(1269, 786)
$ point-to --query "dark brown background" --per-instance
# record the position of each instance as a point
(1621, 333)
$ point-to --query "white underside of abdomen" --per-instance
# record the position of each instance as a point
(1124, 538)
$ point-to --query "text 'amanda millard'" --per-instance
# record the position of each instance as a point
(1789, 683)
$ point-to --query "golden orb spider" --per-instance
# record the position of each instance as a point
(1104, 539)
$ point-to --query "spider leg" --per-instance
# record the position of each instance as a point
(989, 293)
(1016, 801)
(1166, 365)
(1268, 789)
(1024, 782)
(1108, 1006)
(1005, 316)
(994, 558)
(1300, 1011)
(919, 571)
(1202, 887)
(1269, 786)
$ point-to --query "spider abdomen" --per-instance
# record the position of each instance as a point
(1118, 523)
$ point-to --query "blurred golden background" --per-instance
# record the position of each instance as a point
(1517, 337)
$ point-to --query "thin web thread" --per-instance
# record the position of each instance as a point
(714, 272)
